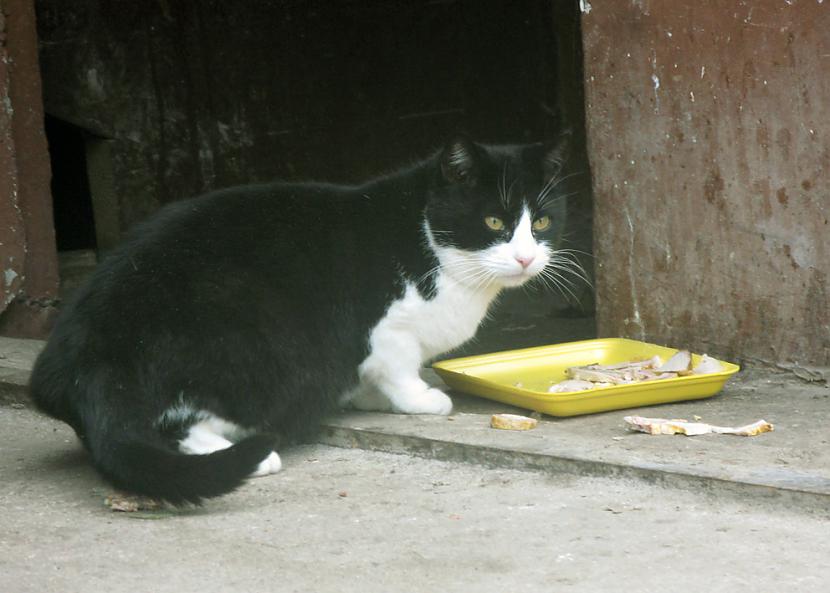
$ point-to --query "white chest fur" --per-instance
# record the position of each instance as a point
(413, 330)
(436, 325)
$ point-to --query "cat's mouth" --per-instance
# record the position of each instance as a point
(518, 278)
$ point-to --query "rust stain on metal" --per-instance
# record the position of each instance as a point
(709, 140)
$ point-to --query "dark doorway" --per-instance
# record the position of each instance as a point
(71, 196)
(186, 97)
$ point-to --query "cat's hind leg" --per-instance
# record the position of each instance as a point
(210, 434)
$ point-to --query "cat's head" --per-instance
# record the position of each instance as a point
(496, 214)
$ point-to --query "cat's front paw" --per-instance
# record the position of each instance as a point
(431, 401)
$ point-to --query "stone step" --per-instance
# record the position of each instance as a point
(789, 466)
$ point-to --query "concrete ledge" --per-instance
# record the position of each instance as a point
(16, 360)
(805, 492)
(790, 466)
(13, 386)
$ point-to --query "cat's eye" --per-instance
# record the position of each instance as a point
(494, 223)
(542, 223)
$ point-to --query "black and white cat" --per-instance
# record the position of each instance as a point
(243, 316)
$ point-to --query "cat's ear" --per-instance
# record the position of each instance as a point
(557, 152)
(459, 160)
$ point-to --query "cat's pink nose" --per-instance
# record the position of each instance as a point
(525, 260)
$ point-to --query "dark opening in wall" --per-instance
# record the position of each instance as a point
(71, 196)
(186, 97)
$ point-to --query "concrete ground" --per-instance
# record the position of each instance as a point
(577, 504)
(789, 466)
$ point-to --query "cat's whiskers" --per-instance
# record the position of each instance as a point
(459, 270)
(503, 196)
(510, 191)
(552, 184)
(551, 199)
(560, 274)
(477, 277)
(488, 278)
(565, 260)
(455, 264)
(548, 277)
(570, 251)
(569, 261)
(486, 281)
(559, 180)
(546, 189)
(431, 272)
(560, 270)
(474, 273)
(567, 275)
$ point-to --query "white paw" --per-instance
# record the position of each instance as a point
(431, 401)
(270, 465)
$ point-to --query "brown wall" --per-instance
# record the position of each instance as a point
(28, 260)
(709, 141)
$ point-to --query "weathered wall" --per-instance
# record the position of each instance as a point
(13, 239)
(190, 96)
(187, 96)
(709, 140)
(28, 260)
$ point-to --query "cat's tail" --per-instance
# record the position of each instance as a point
(132, 456)
(158, 472)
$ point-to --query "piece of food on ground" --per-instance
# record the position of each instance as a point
(131, 503)
(512, 422)
(681, 426)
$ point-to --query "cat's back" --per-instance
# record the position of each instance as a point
(247, 252)
(246, 209)
(228, 251)
(239, 224)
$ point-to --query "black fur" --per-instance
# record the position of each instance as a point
(255, 303)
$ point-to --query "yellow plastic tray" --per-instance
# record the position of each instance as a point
(522, 377)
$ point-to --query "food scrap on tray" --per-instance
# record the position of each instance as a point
(679, 426)
(593, 376)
